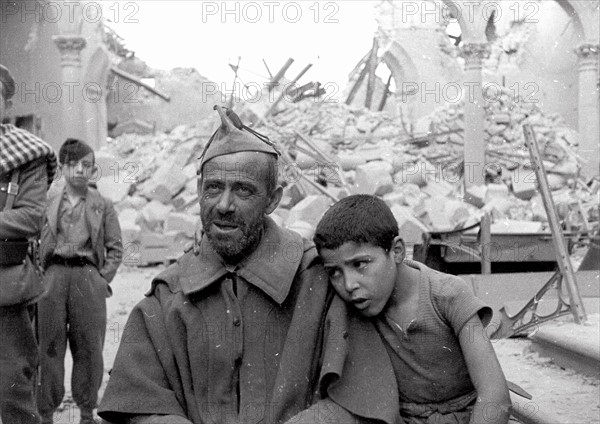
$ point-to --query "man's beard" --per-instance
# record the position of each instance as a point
(233, 249)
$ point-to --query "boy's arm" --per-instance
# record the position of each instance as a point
(113, 244)
(493, 400)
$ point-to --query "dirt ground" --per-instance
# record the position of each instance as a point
(570, 397)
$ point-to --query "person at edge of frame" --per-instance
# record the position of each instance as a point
(27, 168)
(432, 324)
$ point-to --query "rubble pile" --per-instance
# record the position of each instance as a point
(152, 181)
(341, 126)
(332, 150)
(504, 119)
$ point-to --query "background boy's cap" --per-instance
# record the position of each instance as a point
(233, 137)
(8, 82)
(73, 150)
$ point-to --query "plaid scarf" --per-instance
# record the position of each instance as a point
(18, 147)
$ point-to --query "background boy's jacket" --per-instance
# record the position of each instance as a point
(103, 225)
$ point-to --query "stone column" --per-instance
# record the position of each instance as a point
(70, 46)
(474, 135)
(589, 128)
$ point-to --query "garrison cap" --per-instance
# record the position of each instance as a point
(8, 82)
(233, 137)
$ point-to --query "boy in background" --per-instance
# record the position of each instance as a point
(432, 325)
(81, 251)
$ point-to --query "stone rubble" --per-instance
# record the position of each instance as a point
(152, 178)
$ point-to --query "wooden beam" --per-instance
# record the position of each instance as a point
(386, 93)
(283, 92)
(275, 80)
(268, 70)
(372, 65)
(357, 84)
(134, 79)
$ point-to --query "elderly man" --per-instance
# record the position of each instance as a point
(233, 333)
(27, 167)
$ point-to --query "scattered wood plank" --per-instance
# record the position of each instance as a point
(372, 67)
(279, 75)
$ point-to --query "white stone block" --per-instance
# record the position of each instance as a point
(309, 210)
(373, 178)
(181, 223)
(410, 228)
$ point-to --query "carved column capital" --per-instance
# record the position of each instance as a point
(477, 51)
(70, 47)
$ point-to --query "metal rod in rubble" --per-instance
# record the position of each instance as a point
(562, 254)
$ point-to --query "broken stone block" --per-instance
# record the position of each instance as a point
(373, 178)
(411, 192)
(498, 207)
(190, 171)
(130, 230)
(279, 215)
(501, 118)
(457, 211)
(164, 188)
(303, 228)
(401, 161)
(156, 248)
(537, 208)
(394, 198)
(169, 179)
(184, 199)
(437, 188)
(338, 192)
(309, 210)
(133, 202)
(181, 223)
(523, 186)
(106, 163)
(556, 181)
(495, 129)
(509, 226)
(305, 162)
(372, 153)
(194, 209)
(364, 124)
(411, 173)
(410, 228)
(113, 190)
(350, 176)
(475, 195)
(291, 197)
(350, 161)
(155, 213)
(455, 138)
(434, 214)
(128, 217)
(495, 191)
(191, 187)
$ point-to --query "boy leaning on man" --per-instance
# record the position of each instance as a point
(431, 324)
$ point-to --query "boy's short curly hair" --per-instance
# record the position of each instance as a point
(360, 218)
